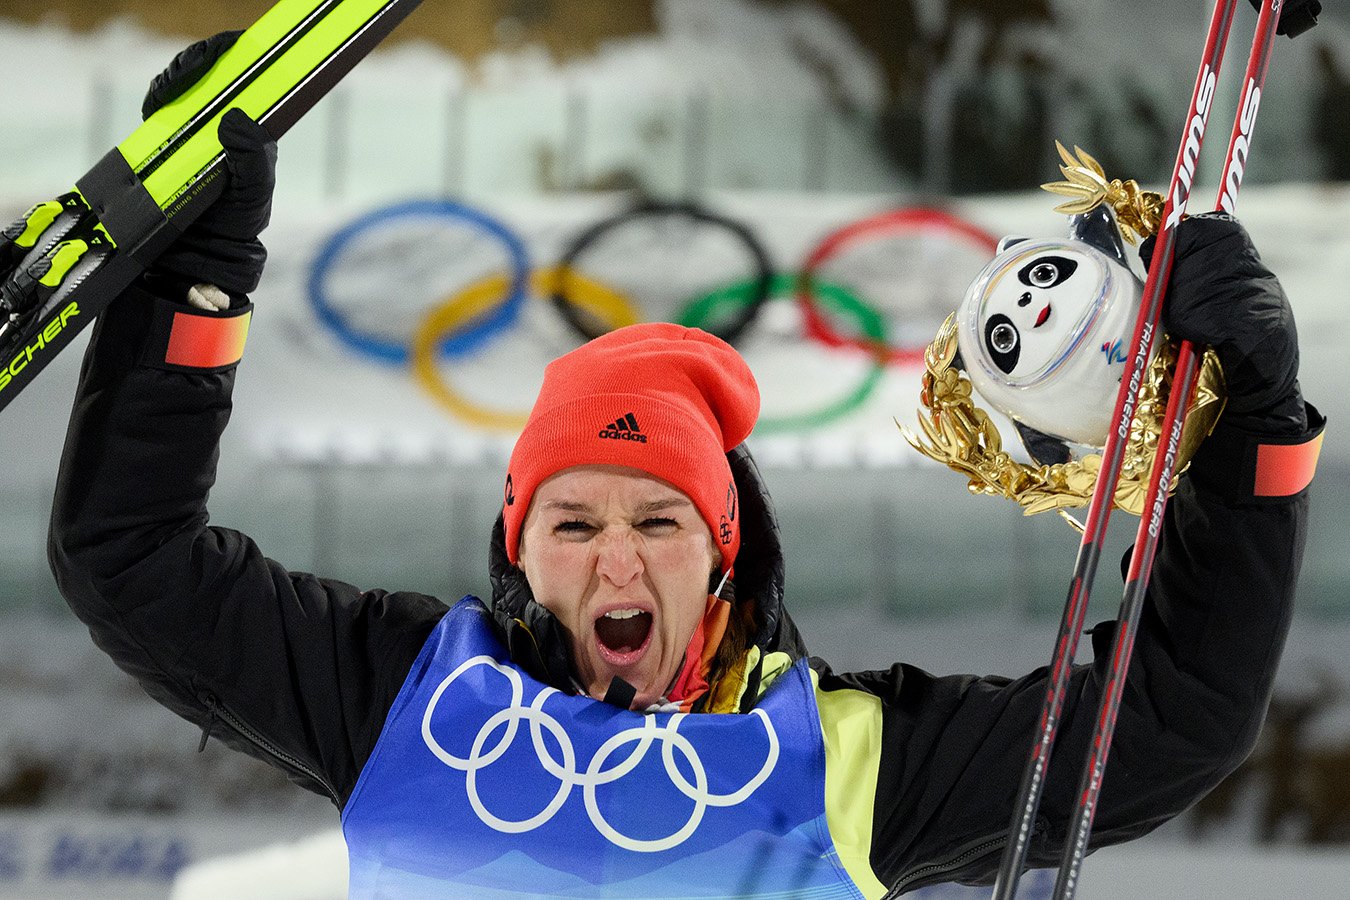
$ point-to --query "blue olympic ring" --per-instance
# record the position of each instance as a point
(459, 343)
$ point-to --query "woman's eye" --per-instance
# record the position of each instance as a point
(657, 524)
(573, 527)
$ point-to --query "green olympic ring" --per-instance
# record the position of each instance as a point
(839, 299)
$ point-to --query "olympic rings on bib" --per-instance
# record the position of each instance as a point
(658, 215)
(839, 300)
(594, 774)
(478, 299)
(499, 318)
(935, 225)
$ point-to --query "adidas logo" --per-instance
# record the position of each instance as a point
(624, 429)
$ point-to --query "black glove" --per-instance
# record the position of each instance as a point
(1222, 295)
(222, 247)
(1296, 16)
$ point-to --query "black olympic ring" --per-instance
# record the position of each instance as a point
(728, 330)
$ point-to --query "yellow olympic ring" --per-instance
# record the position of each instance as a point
(613, 308)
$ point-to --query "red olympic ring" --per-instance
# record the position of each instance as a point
(899, 221)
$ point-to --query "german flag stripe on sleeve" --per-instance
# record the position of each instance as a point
(206, 342)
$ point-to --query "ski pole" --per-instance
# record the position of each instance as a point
(1164, 466)
(1099, 509)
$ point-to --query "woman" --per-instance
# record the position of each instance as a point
(633, 713)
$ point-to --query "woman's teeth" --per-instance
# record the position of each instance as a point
(623, 630)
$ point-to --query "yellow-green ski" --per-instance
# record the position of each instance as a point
(67, 258)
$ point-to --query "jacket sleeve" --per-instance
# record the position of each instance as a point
(1210, 637)
(293, 669)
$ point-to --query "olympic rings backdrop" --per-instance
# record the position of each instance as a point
(466, 305)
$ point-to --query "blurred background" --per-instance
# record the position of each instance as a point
(689, 158)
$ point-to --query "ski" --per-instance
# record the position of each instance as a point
(66, 259)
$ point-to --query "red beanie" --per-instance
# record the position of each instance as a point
(668, 400)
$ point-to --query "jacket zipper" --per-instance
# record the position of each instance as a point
(962, 856)
(206, 731)
(270, 749)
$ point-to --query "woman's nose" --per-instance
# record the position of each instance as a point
(617, 557)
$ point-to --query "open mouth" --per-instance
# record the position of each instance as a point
(623, 634)
(1040, 319)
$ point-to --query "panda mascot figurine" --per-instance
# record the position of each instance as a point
(1045, 329)
(1044, 335)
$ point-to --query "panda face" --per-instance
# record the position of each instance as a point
(1037, 333)
(1038, 300)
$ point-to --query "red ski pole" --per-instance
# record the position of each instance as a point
(1113, 454)
(1164, 467)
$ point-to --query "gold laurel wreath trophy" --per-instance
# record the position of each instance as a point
(962, 436)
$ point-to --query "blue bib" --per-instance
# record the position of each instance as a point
(487, 783)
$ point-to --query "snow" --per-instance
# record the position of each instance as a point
(709, 46)
(714, 61)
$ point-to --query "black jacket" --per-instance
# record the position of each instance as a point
(300, 670)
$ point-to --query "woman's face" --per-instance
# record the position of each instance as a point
(622, 559)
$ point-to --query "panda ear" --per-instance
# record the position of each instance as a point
(1010, 241)
(1098, 228)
